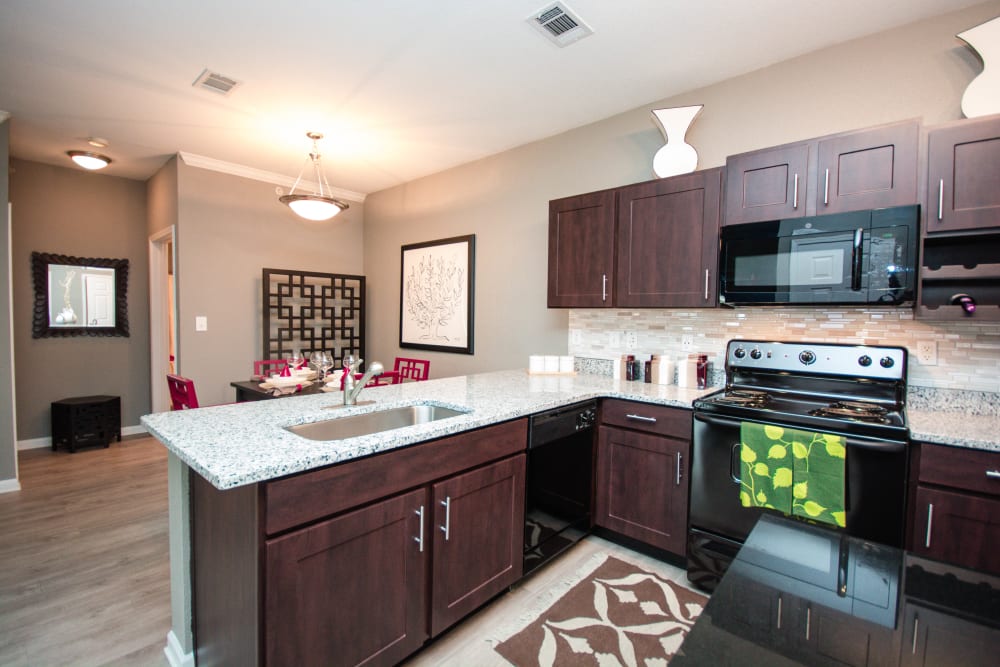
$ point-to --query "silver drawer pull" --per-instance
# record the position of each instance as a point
(916, 629)
(604, 287)
(420, 539)
(640, 418)
(795, 193)
(930, 520)
(678, 479)
(993, 474)
(446, 528)
(826, 189)
(941, 199)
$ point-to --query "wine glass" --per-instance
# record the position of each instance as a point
(294, 360)
(325, 363)
(316, 359)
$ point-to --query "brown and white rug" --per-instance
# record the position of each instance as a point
(619, 614)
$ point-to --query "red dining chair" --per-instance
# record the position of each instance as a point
(416, 370)
(182, 394)
(263, 367)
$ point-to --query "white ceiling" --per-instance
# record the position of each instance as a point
(401, 88)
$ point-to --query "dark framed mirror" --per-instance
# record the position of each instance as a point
(79, 296)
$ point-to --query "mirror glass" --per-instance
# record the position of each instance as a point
(79, 296)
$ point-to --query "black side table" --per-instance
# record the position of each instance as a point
(86, 420)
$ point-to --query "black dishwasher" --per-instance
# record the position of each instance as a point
(557, 510)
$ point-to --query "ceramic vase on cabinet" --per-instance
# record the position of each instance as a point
(982, 96)
(676, 156)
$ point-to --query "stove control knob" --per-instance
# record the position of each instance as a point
(865, 360)
(739, 353)
(755, 353)
(807, 357)
(887, 362)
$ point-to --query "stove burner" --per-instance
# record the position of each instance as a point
(836, 411)
(860, 407)
(744, 397)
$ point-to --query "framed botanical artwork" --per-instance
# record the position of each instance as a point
(436, 293)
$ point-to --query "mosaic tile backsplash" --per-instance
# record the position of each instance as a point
(968, 353)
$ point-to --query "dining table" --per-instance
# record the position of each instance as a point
(251, 390)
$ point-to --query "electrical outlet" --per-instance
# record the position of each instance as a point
(687, 342)
(614, 340)
(927, 352)
(631, 340)
(200, 323)
(575, 337)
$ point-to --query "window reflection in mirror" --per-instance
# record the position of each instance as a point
(81, 296)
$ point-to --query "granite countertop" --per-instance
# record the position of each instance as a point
(243, 443)
(960, 429)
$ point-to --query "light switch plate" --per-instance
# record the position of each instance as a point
(687, 342)
(200, 323)
(631, 340)
(614, 340)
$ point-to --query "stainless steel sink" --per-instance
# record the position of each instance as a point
(374, 422)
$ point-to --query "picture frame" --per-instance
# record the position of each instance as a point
(79, 296)
(437, 295)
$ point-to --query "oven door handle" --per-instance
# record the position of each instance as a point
(856, 252)
(852, 440)
(734, 459)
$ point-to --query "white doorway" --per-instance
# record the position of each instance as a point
(162, 316)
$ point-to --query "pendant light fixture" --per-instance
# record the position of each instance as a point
(317, 205)
(89, 160)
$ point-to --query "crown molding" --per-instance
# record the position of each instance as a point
(211, 164)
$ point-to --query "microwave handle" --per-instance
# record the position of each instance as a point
(859, 236)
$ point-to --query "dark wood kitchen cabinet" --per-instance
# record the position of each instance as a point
(849, 171)
(643, 453)
(335, 565)
(963, 176)
(582, 250)
(957, 509)
(668, 241)
(651, 244)
(933, 639)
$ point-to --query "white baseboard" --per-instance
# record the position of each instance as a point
(8, 485)
(176, 656)
(41, 443)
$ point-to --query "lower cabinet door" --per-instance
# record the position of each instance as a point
(478, 538)
(642, 487)
(350, 590)
(959, 528)
(933, 639)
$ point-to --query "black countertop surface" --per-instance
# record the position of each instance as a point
(803, 595)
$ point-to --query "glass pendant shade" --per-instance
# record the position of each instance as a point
(316, 205)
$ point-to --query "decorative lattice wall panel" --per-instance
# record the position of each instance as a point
(309, 311)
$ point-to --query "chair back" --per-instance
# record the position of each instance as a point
(264, 367)
(182, 394)
(417, 370)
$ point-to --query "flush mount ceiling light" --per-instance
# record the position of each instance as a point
(89, 160)
(317, 205)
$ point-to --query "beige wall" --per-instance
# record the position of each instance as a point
(8, 438)
(72, 212)
(919, 70)
(228, 229)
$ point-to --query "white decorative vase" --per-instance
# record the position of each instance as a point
(982, 96)
(676, 156)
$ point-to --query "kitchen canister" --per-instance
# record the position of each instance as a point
(663, 369)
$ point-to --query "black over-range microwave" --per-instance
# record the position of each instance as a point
(867, 257)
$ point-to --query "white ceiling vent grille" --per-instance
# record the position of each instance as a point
(215, 82)
(559, 24)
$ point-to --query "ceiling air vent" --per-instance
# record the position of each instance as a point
(559, 24)
(215, 82)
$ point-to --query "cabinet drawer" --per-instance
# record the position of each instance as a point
(969, 469)
(659, 419)
(309, 496)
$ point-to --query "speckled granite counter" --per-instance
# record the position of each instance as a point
(955, 428)
(242, 443)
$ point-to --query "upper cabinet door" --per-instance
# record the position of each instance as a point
(963, 176)
(668, 237)
(768, 184)
(872, 168)
(581, 250)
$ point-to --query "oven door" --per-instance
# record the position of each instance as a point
(875, 481)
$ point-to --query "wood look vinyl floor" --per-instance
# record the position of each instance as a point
(84, 567)
(84, 564)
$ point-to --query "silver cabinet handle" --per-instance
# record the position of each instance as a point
(808, 621)
(447, 518)
(706, 284)
(420, 538)
(795, 193)
(930, 519)
(640, 418)
(826, 189)
(916, 627)
(941, 199)
(604, 287)
(678, 479)
(779, 611)
(993, 474)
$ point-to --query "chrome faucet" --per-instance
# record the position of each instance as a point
(351, 387)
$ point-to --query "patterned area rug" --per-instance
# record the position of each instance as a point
(620, 614)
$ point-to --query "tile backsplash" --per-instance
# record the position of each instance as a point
(968, 353)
